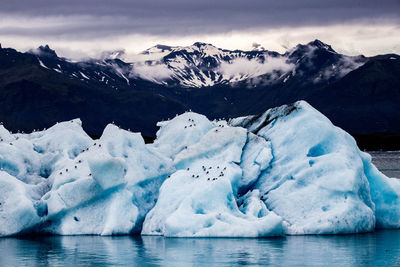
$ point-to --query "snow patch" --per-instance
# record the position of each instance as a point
(84, 76)
(42, 64)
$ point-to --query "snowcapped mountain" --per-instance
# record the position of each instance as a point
(360, 94)
(201, 65)
(204, 65)
(108, 70)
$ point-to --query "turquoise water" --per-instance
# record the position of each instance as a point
(381, 248)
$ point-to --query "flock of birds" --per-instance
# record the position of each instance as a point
(80, 161)
(191, 125)
(206, 170)
(87, 149)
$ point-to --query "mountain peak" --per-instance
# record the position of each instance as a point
(159, 48)
(163, 47)
(257, 47)
(319, 44)
(203, 46)
(300, 49)
(116, 54)
(205, 49)
(47, 51)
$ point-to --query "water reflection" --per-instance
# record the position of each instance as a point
(376, 249)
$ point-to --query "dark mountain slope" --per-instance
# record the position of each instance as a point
(359, 94)
(367, 100)
(32, 97)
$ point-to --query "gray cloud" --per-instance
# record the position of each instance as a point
(86, 20)
(172, 16)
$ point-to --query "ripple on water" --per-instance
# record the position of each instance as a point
(381, 248)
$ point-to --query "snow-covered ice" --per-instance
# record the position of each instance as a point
(286, 171)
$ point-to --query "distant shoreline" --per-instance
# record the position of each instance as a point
(377, 142)
(388, 162)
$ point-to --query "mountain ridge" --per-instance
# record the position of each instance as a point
(202, 64)
(166, 80)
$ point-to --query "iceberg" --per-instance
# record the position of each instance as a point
(199, 198)
(316, 179)
(288, 171)
(72, 184)
(17, 211)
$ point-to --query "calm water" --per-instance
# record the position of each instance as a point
(387, 162)
(381, 248)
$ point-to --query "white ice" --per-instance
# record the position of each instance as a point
(316, 180)
(199, 199)
(287, 171)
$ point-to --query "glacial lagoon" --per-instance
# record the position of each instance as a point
(381, 248)
(388, 162)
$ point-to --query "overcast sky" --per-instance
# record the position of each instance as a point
(79, 28)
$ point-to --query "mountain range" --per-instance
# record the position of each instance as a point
(359, 94)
